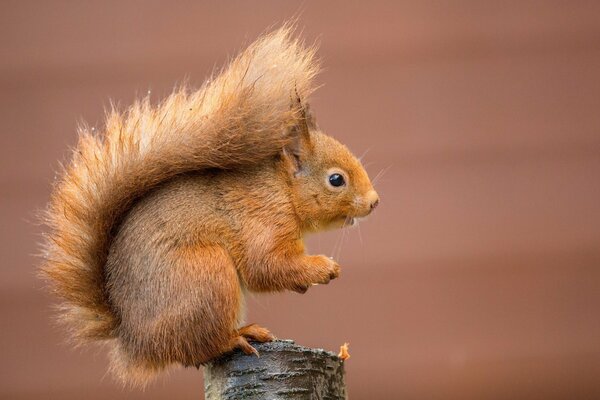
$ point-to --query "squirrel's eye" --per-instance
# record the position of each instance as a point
(336, 180)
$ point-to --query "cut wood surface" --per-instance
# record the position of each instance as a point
(284, 370)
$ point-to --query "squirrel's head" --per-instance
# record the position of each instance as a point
(330, 187)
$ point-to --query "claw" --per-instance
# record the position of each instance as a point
(301, 289)
(242, 344)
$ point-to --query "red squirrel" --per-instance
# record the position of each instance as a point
(162, 220)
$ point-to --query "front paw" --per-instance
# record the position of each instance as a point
(323, 269)
(318, 270)
(333, 268)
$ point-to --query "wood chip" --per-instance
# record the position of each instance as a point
(344, 355)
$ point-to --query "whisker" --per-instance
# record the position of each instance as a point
(368, 164)
(365, 153)
(339, 254)
(338, 248)
(361, 244)
(343, 237)
(336, 244)
(381, 174)
(359, 234)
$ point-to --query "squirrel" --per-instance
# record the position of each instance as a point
(161, 222)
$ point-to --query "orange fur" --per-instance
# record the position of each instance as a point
(158, 225)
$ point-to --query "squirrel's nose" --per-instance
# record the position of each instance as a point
(374, 204)
(372, 199)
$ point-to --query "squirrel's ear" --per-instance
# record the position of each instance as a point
(299, 146)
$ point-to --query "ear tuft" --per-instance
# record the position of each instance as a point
(300, 145)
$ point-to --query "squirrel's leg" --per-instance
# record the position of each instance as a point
(186, 308)
(286, 266)
(219, 296)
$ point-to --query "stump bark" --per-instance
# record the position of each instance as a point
(284, 370)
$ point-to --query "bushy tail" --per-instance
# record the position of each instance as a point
(238, 118)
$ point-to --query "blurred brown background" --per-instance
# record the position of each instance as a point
(479, 275)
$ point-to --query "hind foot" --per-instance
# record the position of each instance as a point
(251, 332)
(256, 333)
(240, 342)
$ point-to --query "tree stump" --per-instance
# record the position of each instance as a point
(284, 370)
